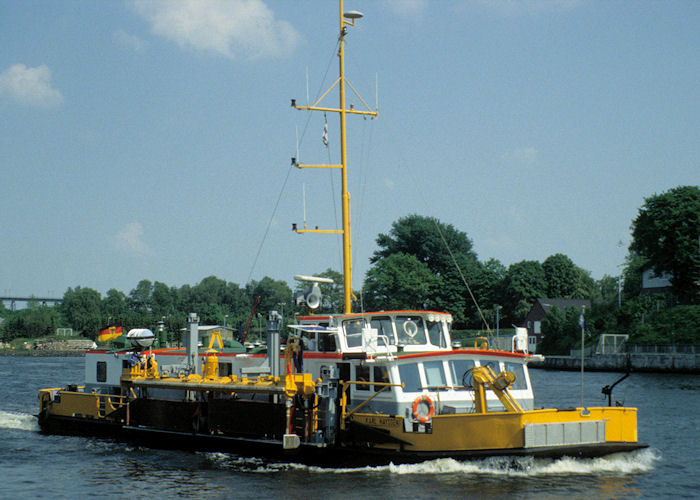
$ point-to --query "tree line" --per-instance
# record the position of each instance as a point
(422, 263)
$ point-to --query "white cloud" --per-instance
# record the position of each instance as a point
(127, 40)
(241, 28)
(30, 86)
(128, 239)
(524, 156)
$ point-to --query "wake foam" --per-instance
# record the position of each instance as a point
(635, 462)
(19, 421)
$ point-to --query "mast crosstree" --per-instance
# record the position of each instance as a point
(346, 19)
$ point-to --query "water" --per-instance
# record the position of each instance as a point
(58, 466)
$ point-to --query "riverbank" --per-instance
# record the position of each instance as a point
(636, 362)
(42, 352)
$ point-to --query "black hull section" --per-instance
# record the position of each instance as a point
(334, 456)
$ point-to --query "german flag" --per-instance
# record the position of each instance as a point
(110, 333)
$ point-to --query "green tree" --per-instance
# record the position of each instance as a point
(422, 237)
(523, 284)
(561, 276)
(114, 307)
(561, 331)
(667, 232)
(271, 293)
(428, 240)
(162, 299)
(82, 308)
(399, 281)
(139, 299)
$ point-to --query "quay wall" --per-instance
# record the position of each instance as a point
(636, 362)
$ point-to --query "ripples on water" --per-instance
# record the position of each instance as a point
(60, 466)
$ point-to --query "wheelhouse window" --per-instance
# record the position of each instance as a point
(434, 374)
(102, 371)
(410, 329)
(353, 331)
(326, 342)
(435, 333)
(410, 377)
(494, 365)
(362, 375)
(519, 371)
(383, 325)
(381, 374)
(461, 371)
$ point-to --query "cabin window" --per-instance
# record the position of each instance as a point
(410, 330)
(362, 375)
(434, 374)
(494, 365)
(435, 333)
(381, 374)
(519, 371)
(102, 371)
(326, 342)
(225, 370)
(353, 332)
(410, 377)
(384, 327)
(461, 371)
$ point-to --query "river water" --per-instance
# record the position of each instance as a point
(76, 467)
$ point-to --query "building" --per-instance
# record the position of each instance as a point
(533, 321)
(653, 283)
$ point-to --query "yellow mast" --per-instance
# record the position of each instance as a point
(346, 19)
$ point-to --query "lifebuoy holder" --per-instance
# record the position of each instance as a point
(417, 403)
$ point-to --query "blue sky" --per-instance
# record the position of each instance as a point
(149, 140)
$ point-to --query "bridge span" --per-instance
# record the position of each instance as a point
(44, 301)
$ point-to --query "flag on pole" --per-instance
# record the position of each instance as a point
(110, 333)
(581, 320)
(324, 137)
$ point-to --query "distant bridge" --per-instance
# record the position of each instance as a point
(42, 300)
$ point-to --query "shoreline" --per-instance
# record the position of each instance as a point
(42, 353)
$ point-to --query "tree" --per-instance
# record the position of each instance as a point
(271, 293)
(428, 240)
(422, 237)
(82, 308)
(114, 306)
(139, 300)
(162, 299)
(667, 232)
(399, 281)
(561, 276)
(561, 331)
(523, 284)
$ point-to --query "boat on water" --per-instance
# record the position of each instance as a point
(344, 389)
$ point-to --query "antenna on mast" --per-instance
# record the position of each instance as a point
(303, 200)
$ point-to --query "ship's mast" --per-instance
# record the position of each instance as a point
(346, 19)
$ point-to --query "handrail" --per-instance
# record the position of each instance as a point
(343, 400)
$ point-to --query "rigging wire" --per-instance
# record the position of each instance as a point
(289, 171)
(269, 224)
(339, 239)
(403, 163)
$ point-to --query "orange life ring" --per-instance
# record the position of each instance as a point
(423, 398)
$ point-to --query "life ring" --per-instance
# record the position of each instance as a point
(423, 398)
(410, 328)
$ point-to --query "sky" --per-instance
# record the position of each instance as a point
(152, 140)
